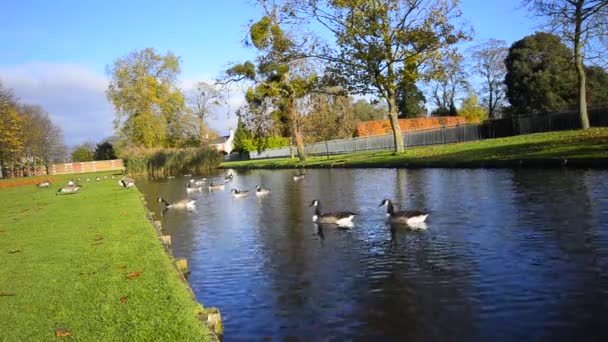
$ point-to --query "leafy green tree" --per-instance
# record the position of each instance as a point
(83, 153)
(584, 24)
(410, 101)
(471, 109)
(145, 96)
(241, 135)
(385, 43)
(539, 74)
(105, 151)
(597, 86)
(364, 110)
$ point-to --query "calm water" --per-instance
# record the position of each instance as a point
(507, 255)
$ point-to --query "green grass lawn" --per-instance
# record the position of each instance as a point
(65, 263)
(590, 144)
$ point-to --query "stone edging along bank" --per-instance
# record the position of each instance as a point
(210, 316)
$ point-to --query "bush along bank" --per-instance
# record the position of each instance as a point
(163, 162)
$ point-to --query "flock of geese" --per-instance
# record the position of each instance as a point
(74, 186)
(343, 219)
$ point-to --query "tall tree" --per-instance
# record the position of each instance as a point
(279, 79)
(11, 138)
(384, 43)
(582, 23)
(84, 152)
(43, 140)
(204, 98)
(364, 110)
(489, 63)
(410, 100)
(449, 82)
(539, 74)
(471, 110)
(105, 151)
(145, 96)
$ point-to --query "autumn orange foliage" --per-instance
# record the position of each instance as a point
(381, 127)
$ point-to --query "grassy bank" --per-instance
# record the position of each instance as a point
(580, 148)
(89, 266)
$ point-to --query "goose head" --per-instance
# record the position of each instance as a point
(314, 203)
(385, 202)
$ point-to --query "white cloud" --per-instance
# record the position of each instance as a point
(73, 95)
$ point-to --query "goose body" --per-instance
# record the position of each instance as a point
(340, 218)
(299, 177)
(259, 191)
(198, 182)
(192, 188)
(44, 184)
(181, 204)
(410, 217)
(238, 194)
(70, 189)
(213, 187)
(126, 182)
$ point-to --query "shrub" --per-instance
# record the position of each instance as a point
(162, 162)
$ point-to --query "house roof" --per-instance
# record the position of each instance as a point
(219, 140)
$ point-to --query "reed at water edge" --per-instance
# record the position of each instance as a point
(163, 162)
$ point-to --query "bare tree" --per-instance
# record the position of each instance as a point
(205, 97)
(583, 23)
(449, 81)
(43, 140)
(489, 63)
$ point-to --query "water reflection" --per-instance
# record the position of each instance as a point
(505, 254)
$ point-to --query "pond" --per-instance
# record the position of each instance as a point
(506, 254)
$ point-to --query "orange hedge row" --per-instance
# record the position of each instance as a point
(381, 127)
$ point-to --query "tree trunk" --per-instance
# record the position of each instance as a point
(201, 130)
(580, 70)
(393, 117)
(295, 130)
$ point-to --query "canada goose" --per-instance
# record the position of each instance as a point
(411, 217)
(70, 189)
(198, 182)
(238, 194)
(97, 179)
(299, 177)
(126, 182)
(105, 177)
(71, 182)
(213, 187)
(181, 204)
(340, 218)
(44, 184)
(228, 177)
(191, 188)
(88, 179)
(112, 177)
(78, 179)
(259, 191)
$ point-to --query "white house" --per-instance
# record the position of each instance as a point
(224, 143)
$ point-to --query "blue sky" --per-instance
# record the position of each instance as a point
(55, 53)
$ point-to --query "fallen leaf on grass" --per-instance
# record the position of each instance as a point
(2, 231)
(23, 210)
(121, 267)
(124, 299)
(14, 251)
(4, 294)
(62, 333)
(133, 275)
(99, 238)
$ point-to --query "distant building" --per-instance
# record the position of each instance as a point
(225, 143)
